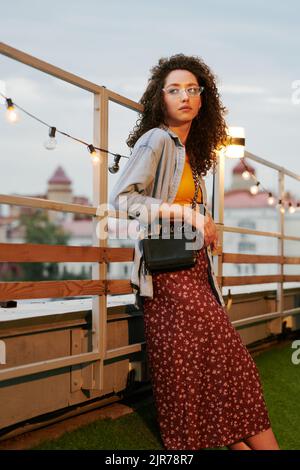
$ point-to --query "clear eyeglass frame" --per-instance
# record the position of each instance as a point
(191, 91)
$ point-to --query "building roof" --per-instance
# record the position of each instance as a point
(59, 177)
(242, 198)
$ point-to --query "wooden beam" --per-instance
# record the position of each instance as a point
(249, 258)
(50, 289)
(38, 253)
(60, 289)
(242, 280)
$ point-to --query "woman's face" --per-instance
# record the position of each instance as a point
(175, 113)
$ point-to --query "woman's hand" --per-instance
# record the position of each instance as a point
(202, 223)
(210, 232)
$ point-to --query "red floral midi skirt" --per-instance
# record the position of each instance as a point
(206, 385)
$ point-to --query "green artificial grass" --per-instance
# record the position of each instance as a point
(281, 383)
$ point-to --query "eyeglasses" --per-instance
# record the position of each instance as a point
(192, 91)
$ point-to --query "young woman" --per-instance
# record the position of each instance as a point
(206, 385)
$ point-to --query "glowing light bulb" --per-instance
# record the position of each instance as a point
(280, 206)
(254, 188)
(11, 114)
(271, 199)
(291, 208)
(246, 175)
(50, 143)
(94, 156)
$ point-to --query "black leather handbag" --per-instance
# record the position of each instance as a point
(170, 254)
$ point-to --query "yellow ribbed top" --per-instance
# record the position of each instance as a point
(186, 188)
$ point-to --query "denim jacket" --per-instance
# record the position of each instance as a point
(152, 176)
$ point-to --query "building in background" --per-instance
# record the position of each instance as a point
(242, 209)
(246, 210)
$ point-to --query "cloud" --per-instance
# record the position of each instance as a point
(3, 91)
(23, 87)
(242, 89)
(278, 100)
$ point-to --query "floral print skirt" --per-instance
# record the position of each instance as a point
(206, 385)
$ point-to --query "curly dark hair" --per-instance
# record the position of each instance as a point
(208, 129)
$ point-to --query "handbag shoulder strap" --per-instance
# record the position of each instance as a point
(196, 177)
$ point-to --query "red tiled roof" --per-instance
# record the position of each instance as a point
(59, 177)
(238, 198)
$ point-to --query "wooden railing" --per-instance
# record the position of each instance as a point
(100, 255)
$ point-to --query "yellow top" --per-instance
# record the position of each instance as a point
(186, 188)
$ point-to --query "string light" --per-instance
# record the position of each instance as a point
(11, 114)
(93, 153)
(271, 199)
(280, 206)
(246, 175)
(291, 208)
(50, 144)
(115, 167)
(254, 188)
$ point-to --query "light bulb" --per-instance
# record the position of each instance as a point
(271, 199)
(246, 175)
(280, 206)
(11, 114)
(254, 189)
(94, 156)
(291, 208)
(50, 143)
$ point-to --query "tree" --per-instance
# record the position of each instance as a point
(38, 229)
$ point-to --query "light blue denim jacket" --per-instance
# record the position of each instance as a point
(152, 176)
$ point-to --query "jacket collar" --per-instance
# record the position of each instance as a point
(171, 133)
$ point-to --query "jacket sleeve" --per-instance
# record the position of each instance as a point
(129, 193)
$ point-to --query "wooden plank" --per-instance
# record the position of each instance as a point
(119, 254)
(76, 348)
(291, 260)
(45, 67)
(48, 204)
(51, 289)
(251, 231)
(249, 258)
(257, 159)
(51, 364)
(31, 253)
(68, 77)
(119, 286)
(291, 278)
(117, 352)
(54, 289)
(242, 280)
(122, 100)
